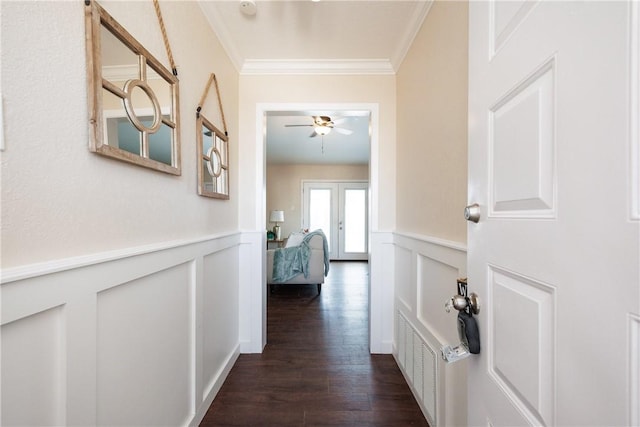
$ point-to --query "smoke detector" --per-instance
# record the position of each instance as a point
(248, 7)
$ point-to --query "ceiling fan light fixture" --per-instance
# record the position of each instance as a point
(322, 130)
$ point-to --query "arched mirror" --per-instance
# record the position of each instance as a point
(133, 98)
(213, 160)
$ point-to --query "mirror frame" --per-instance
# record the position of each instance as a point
(96, 18)
(222, 165)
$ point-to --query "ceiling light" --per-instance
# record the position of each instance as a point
(322, 130)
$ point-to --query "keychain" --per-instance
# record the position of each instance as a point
(468, 332)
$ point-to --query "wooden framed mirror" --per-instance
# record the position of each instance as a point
(213, 160)
(133, 98)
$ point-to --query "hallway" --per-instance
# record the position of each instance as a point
(316, 369)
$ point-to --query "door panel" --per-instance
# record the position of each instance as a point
(555, 249)
(321, 214)
(524, 372)
(320, 211)
(340, 209)
(521, 145)
(353, 224)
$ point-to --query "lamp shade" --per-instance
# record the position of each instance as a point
(276, 216)
(322, 130)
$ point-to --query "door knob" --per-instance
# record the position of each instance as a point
(472, 213)
(460, 303)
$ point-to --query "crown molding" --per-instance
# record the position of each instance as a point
(419, 15)
(221, 31)
(313, 66)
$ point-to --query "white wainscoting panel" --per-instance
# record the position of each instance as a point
(142, 348)
(426, 273)
(437, 282)
(120, 338)
(33, 362)
(381, 293)
(220, 303)
(253, 292)
(405, 290)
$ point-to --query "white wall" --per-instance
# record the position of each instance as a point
(120, 285)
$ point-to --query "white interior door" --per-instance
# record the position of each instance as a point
(340, 209)
(554, 257)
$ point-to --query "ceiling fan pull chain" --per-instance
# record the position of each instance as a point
(213, 79)
(163, 30)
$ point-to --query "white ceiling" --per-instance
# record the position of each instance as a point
(323, 37)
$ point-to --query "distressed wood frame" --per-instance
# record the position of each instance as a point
(96, 18)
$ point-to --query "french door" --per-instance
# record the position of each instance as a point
(340, 209)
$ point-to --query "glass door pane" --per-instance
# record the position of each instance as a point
(340, 209)
(355, 220)
(320, 211)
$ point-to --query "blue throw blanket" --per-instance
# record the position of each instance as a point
(289, 262)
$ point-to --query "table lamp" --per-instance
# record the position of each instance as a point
(277, 217)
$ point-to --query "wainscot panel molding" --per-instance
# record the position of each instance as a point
(253, 292)
(140, 336)
(381, 291)
(426, 269)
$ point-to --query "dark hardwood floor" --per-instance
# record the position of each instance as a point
(316, 369)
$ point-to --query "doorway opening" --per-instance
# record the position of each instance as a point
(313, 154)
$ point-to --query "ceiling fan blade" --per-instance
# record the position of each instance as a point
(313, 134)
(343, 131)
(339, 121)
(293, 126)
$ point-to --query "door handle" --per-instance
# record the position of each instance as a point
(460, 303)
(472, 213)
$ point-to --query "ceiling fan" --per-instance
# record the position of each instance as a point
(322, 125)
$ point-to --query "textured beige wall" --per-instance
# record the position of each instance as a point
(291, 89)
(60, 200)
(432, 127)
(284, 188)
